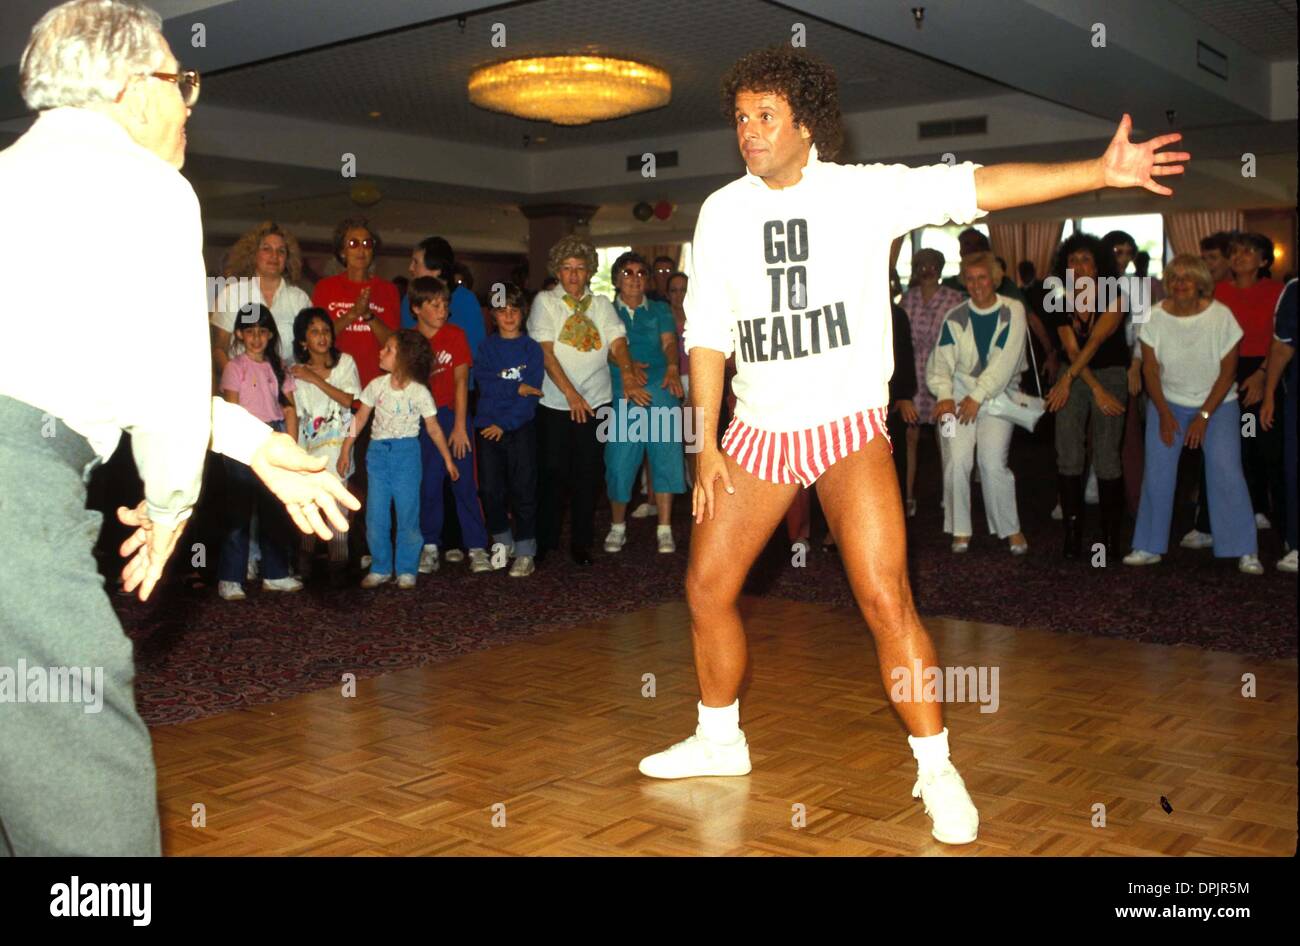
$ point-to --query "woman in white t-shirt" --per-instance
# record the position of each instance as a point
(1189, 363)
(327, 385)
(580, 334)
(261, 267)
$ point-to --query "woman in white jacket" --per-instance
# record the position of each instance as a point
(980, 353)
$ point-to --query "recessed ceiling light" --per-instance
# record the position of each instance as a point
(540, 139)
(375, 114)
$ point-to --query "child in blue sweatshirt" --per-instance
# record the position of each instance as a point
(508, 369)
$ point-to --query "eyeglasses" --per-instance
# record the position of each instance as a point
(368, 243)
(187, 83)
(663, 271)
(633, 274)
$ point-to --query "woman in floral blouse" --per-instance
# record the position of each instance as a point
(925, 302)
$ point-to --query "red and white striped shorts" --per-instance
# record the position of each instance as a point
(802, 456)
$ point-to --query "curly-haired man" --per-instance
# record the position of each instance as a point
(789, 274)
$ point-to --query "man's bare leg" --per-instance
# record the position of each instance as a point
(722, 551)
(860, 497)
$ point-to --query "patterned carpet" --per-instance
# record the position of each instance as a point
(198, 655)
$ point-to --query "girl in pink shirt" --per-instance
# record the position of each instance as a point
(256, 381)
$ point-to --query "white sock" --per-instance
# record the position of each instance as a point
(931, 752)
(664, 530)
(618, 526)
(720, 724)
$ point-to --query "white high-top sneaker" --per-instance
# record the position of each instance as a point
(698, 756)
(948, 804)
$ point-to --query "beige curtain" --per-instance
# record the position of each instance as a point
(1034, 240)
(1188, 228)
(650, 250)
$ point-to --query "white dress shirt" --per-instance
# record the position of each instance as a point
(795, 281)
(103, 245)
(588, 371)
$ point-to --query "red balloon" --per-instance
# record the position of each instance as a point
(663, 210)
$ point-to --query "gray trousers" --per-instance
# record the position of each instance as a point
(72, 782)
(1107, 432)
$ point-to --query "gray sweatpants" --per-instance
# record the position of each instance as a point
(72, 782)
(1072, 422)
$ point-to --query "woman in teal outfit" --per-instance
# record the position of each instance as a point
(649, 421)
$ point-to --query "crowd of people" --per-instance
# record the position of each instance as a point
(526, 410)
(1196, 361)
(534, 406)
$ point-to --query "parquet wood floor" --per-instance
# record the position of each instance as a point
(552, 728)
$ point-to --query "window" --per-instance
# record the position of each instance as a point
(605, 256)
(1147, 230)
(943, 239)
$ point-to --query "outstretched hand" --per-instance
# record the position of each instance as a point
(311, 494)
(1126, 164)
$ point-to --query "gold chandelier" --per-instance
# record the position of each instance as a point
(569, 90)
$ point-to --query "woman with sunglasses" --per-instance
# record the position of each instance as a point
(365, 308)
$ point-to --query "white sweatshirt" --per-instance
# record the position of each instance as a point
(107, 327)
(795, 281)
(955, 358)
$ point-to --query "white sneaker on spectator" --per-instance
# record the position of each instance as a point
(949, 806)
(644, 511)
(1287, 563)
(374, 580)
(1139, 557)
(664, 535)
(1057, 514)
(366, 560)
(281, 584)
(454, 555)
(616, 539)
(522, 567)
(231, 590)
(428, 560)
(1250, 565)
(479, 561)
(1261, 521)
(698, 756)
(405, 582)
(1197, 540)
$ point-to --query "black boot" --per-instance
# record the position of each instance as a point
(1071, 489)
(1111, 494)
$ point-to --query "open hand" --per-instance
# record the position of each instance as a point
(1126, 164)
(301, 482)
(146, 550)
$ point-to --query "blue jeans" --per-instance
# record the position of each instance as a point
(1229, 498)
(246, 495)
(393, 469)
(509, 468)
(465, 489)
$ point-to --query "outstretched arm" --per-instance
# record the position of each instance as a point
(1124, 164)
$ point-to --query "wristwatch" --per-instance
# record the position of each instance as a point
(1205, 415)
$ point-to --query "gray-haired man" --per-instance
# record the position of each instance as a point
(126, 349)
